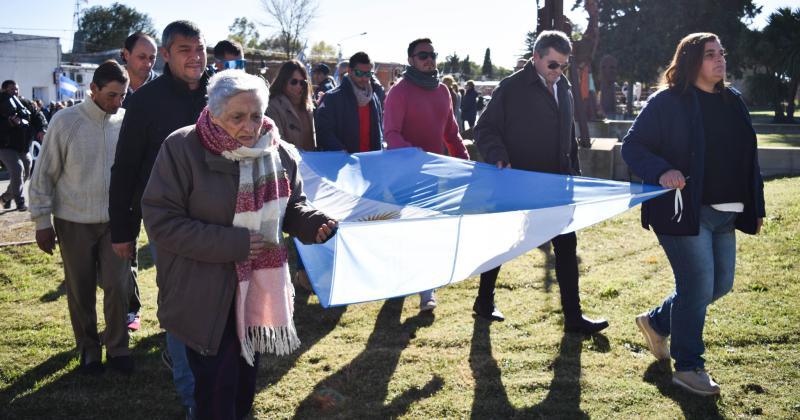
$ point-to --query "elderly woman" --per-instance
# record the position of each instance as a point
(291, 105)
(695, 136)
(221, 193)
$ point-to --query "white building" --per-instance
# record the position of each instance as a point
(32, 61)
(82, 74)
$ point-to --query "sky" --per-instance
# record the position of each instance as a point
(466, 27)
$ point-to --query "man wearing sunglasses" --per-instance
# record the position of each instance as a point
(419, 113)
(228, 55)
(350, 116)
(529, 125)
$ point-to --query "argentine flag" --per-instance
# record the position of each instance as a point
(67, 86)
(411, 221)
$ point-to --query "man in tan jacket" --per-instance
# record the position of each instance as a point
(70, 184)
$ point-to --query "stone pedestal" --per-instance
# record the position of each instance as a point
(599, 160)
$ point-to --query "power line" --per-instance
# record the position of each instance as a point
(34, 29)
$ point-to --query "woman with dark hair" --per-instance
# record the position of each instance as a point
(695, 136)
(291, 106)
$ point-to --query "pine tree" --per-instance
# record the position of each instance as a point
(486, 70)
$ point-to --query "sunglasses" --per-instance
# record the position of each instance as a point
(234, 64)
(424, 55)
(554, 65)
(294, 82)
(359, 73)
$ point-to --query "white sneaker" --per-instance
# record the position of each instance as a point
(696, 381)
(656, 342)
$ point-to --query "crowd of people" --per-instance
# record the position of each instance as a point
(207, 157)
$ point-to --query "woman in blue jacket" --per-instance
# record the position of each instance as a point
(695, 136)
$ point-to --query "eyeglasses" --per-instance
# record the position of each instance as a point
(294, 82)
(424, 55)
(555, 64)
(359, 73)
(233, 64)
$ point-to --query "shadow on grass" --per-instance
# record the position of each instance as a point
(358, 390)
(313, 323)
(693, 406)
(564, 391)
(54, 294)
(47, 391)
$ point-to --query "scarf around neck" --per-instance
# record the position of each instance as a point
(264, 293)
(363, 96)
(425, 80)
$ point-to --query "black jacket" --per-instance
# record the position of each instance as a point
(668, 134)
(12, 136)
(337, 124)
(153, 113)
(521, 122)
(469, 104)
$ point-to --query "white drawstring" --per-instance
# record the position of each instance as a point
(678, 205)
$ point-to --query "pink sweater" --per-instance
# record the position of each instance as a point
(415, 117)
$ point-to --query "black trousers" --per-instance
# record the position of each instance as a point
(224, 384)
(565, 249)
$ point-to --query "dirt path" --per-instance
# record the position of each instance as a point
(15, 226)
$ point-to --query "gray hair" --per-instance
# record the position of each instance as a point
(229, 83)
(556, 40)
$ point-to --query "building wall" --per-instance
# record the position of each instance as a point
(30, 61)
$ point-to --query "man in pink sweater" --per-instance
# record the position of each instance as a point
(419, 113)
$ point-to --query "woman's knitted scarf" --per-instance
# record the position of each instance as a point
(425, 80)
(264, 294)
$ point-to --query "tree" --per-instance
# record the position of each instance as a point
(782, 34)
(105, 28)
(452, 63)
(486, 70)
(530, 40)
(643, 34)
(322, 50)
(244, 32)
(291, 18)
(466, 68)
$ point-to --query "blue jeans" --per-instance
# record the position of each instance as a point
(704, 267)
(181, 372)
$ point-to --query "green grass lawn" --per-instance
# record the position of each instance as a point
(384, 360)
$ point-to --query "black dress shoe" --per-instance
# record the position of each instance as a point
(488, 311)
(122, 364)
(585, 325)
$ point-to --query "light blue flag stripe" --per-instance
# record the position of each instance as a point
(411, 221)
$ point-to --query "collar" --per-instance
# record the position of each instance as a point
(93, 110)
(544, 81)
